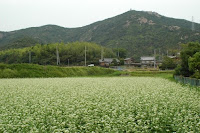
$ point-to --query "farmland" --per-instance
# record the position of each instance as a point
(104, 104)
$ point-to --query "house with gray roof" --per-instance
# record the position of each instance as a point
(128, 61)
(106, 62)
(147, 61)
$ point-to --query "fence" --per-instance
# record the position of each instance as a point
(186, 80)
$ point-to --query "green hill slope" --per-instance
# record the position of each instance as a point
(137, 31)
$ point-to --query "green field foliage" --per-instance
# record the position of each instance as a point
(117, 104)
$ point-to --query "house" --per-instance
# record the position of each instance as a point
(106, 62)
(147, 61)
(128, 61)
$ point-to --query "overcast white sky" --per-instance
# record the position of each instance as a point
(18, 14)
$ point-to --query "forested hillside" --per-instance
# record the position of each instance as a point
(46, 54)
(137, 31)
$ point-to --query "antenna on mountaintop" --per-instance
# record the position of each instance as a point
(193, 24)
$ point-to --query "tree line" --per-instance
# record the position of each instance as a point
(72, 53)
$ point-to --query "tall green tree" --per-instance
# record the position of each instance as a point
(168, 63)
(194, 65)
(188, 51)
(121, 52)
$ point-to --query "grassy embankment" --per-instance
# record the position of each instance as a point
(148, 72)
(163, 74)
(36, 71)
(32, 70)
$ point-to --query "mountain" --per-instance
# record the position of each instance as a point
(137, 31)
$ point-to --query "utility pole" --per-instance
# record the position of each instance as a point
(102, 53)
(85, 55)
(29, 56)
(159, 55)
(154, 58)
(57, 55)
(118, 52)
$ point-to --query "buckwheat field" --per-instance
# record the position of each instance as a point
(120, 104)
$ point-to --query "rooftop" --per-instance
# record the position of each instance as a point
(108, 60)
(147, 58)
